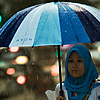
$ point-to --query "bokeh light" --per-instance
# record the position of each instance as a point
(98, 48)
(10, 71)
(21, 79)
(54, 70)
(21, 60)
(14, 49)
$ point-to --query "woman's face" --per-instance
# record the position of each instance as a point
(75, 65)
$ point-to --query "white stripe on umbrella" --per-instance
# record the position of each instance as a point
(25, 34)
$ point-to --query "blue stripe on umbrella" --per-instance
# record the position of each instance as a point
(16, 20)
(90, 23)
(48, 29)
(71, 25)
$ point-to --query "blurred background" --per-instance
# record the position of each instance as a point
(26, 73)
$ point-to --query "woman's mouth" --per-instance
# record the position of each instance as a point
(74, 71)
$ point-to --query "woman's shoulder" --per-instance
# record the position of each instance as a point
(97, 84)
(95, 91)
(58, 86)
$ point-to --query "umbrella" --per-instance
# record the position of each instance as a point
(54, 23)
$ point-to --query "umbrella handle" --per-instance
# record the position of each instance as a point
(61, 91)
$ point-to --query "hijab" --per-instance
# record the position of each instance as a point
(80, 85)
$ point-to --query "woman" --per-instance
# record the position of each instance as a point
(81, 74)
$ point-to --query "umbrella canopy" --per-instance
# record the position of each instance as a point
(54, 23)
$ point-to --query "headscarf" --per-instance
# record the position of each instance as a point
(82, 84)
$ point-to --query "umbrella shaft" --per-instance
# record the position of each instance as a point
(61, 92)
(55, 0)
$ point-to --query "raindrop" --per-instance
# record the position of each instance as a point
(76, 23)
(32, 64)
(5, 50)
(37, 77)
(65, 31)
(56, 49)
(97, 25)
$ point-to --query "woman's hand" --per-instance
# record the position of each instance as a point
(60, 98)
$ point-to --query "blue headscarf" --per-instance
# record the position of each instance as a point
(82, 84)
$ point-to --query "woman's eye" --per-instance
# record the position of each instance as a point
(70, 61)
(80, 60)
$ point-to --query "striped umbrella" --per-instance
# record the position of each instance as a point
(54, 23)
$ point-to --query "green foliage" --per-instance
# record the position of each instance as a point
(2, 19)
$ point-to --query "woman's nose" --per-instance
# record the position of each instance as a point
(75, 64)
